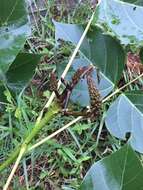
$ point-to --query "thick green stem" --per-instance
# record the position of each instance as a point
(53, 110)
(11, 158)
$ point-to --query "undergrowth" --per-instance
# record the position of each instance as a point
(63, 161)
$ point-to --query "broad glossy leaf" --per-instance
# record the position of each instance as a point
(121, 170)
(14, 29)
(102, 50)
(80, 93)
(22, 70)
(122, 19)
(136, 2)
(125, 115)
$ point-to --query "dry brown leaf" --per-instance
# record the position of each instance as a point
(134, 64)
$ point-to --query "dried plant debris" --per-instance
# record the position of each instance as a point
(134, 65)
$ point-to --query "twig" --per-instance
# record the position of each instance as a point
(55, 133)
(22, 151)
(121, 88)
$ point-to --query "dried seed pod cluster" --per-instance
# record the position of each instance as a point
(95, 99)
(80, 73)
(53, 83)
(77, 75)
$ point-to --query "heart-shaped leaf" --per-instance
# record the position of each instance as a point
(102, 50)
(125, 115)
(123, 19)
(120, 171)
(19, 73)
(22, 70)
(80, 93)
(14, 29)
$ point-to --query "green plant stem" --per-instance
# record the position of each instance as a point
(53, 110)
(11, 158)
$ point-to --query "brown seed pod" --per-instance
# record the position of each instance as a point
(95, 99)
(53, 83)
(80, 73)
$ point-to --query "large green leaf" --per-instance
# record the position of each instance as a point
(120, 171)
(102, 50)
(122, 19)
(19, 73)
(125, 115)
(14, 29)
(136, 2)
(80, 93)
(22, 70)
